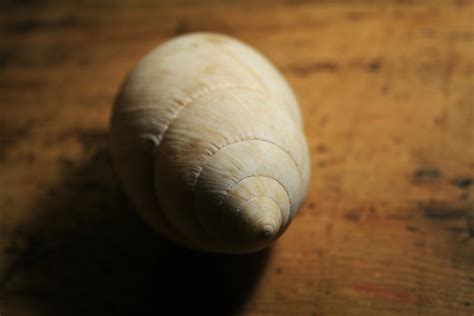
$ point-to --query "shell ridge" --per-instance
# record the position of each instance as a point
(201, 93)
(245, 66)
(237, 211)
(255, 176)
(227, 144)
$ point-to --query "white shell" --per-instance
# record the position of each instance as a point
(207, 141)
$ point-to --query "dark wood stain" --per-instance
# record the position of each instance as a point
(11, 135)
(5, 57)
(182, 27)
(374, 65)
(353, 216)
(442, 211)
(385, 89)
(426, 174)
(356, 16)
(470, 225)
(456, 229)
(463, 182)
(324, 66)
(321, 148)
(28, 26)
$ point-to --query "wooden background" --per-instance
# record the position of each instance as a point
(387, 93)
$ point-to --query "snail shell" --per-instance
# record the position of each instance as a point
(207, 140)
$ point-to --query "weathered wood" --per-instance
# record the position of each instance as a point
(387, 94)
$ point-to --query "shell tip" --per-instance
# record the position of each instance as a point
(267, 232)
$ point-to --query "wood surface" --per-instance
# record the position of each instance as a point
(387, 93)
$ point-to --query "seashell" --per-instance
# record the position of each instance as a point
(207, 140)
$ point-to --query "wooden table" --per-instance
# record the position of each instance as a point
(387, 92)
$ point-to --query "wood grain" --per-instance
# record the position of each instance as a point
(387, 92)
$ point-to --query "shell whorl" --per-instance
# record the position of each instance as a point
(218, 161)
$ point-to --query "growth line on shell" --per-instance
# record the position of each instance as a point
(200, 93)
(256, 176)
(268, 197)
(227, 144)
(244, 65)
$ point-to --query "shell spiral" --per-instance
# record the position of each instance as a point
(207, 141)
